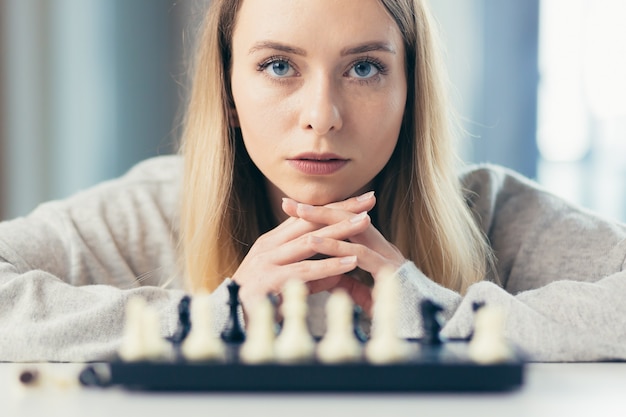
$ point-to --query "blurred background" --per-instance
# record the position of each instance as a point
(90, 87)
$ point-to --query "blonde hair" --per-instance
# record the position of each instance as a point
(224, 209)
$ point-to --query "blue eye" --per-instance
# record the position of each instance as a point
(279, 68)
(363, 69)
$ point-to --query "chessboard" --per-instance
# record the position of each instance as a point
(443, 368)
(267, 358)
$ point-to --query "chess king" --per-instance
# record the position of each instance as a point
(316, 146)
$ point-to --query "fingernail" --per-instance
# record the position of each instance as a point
(365, 196)
(288, 201)
(348, 260)
(359, 217)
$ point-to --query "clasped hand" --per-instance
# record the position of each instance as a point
(342, 232)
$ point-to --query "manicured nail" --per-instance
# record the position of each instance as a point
(365, 196)
(359, 217)
(348, 260)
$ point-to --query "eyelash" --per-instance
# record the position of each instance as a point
(378, 64)
(263, 65)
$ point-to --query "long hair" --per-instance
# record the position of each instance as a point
(421, 208)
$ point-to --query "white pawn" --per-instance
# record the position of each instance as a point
(260, 337)
(295, 343)
(131, 348)
(339, 343)
(202, 343)
(488, 344)
(384, 345)
(141, 339)
(154, 345)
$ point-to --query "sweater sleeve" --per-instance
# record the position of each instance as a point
(68, 269)
(561, 322)
(560, 268)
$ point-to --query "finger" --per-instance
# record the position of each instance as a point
(323, 284)
(354, 205)
(367, 259)
(315, 270)
(288, 230)
(325, 216)
(305, 246)
(373, 239)
(361, 294)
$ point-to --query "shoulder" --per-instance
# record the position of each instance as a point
(535, 233)
(167, 168)
(489, 180)
(138, 210)
(157, 180)
(494, 192)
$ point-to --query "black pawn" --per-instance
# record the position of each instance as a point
(476, 305)
(184, 322)
(430, 322)
(357, 313)
(233, 332)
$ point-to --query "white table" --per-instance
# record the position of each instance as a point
(555, 390)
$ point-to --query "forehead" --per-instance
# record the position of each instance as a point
(315, 22)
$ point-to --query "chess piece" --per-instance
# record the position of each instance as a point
(131, 348)
(202, 343)
(384, 345)
(260, 338)
(488, 344)
(141, 339)
(233, 331)
(430, 322)
(357, 314)
(294, 343)
(184, 322)
(154, 345)
(339, 344)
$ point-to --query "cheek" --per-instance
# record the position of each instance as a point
(383, 120)
(261, 113)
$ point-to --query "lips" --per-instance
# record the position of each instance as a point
(318, 164)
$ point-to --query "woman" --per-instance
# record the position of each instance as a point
(290, 127)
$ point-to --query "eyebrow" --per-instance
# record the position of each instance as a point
(368, 47)
(359, 49)
(276, 46)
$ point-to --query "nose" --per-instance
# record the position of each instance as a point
(321, 111)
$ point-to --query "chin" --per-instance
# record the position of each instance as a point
(318, 198)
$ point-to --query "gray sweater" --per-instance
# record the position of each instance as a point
(67, 270)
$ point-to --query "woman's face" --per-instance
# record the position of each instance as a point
(319, 88)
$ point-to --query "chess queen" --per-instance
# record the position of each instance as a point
(317, 146)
